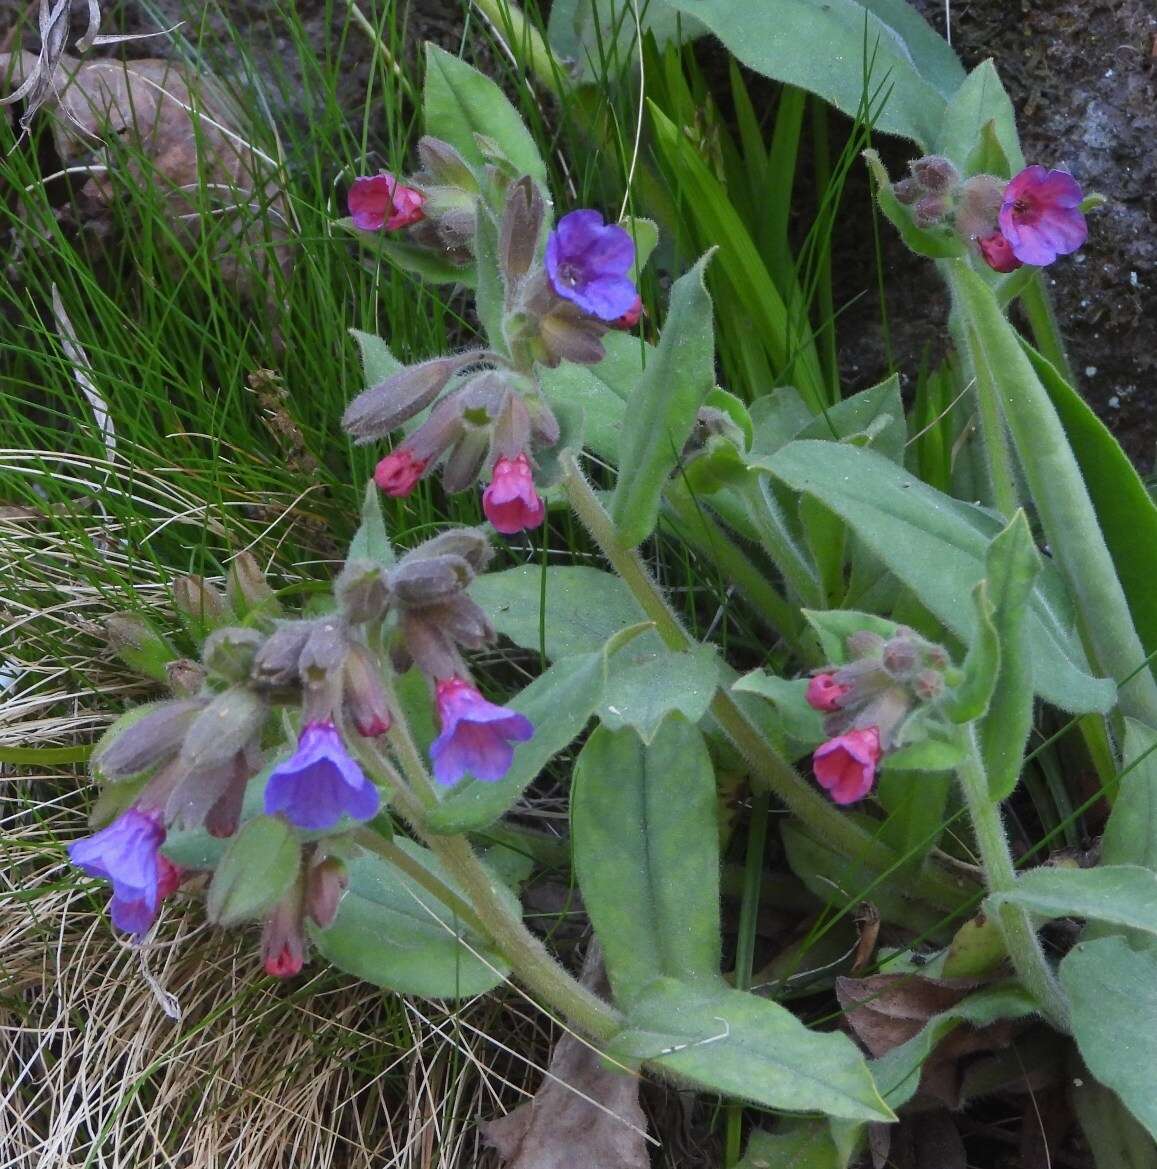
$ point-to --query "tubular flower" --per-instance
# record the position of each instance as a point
(398, 473)
(997, 253)
(1040, 215)
(127, 854)
(846, 765)
(320, 782)
(510, 502)
(824, 693)
(380, 202)
(476, 735)
(589, 262)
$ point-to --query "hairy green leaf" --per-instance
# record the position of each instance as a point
(258, 867)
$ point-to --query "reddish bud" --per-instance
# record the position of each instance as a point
(630, 318)
(380, 202)
(824, 693)
(997, 253)
(398, 473)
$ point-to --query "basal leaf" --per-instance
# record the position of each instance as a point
(644, 688)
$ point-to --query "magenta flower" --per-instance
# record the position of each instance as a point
(320, 783)
(127, 854)
(630, 318)
(476, 735)
(398, 473)
(510, 502)
(824, 693)
(380, 202)
(846, 765)
(997, 253)
(1040, 215)
(589, 261)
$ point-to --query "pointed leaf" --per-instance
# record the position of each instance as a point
(257, 869)
(371, 541)
(1124, 895)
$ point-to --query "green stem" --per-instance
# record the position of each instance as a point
(1045, 329)
(1020, 937)
(993, 438)
(770, 770)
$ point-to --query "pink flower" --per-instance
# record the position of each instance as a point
(510, 502)
(997, 253)
(1040, 215)
(846, 765)
(398, 473)
(630, 318)
(824, 693)
(380, 202)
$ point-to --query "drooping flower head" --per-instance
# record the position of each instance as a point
(997, 253)
(1040, 215)
(511, 502)
(824, 693)
(380, 202)
(127, 854)
(476, 735)
(320, 782)
(589, 261)
(846, 765)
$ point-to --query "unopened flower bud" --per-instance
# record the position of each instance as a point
(930, 211)
(444, 165)
(936, 657)
(226, 726)
(472, 544)
(138, 644)
(375, 412)
(464, 621)
(229, 653)
(631, 317)
(907, 191)
(381, 203)
(427, 644)
(325, 883)
(928, 685)
(399, 472)
(283, 944)
(824, 693)
(521, 225)
(430, 580)
(247, 588)
(997, 253)
(865, 644)
(362, 591)
(185, 677)
(364, 693)
(979, 205)
(900, 658)
(935, 174)
(199, 600)
(147, 742)
(466, 459)
(278, 661)
(324, 652)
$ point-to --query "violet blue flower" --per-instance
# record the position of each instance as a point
(510, 502)
(476, 735)
(380, 202)
(320, 782)
(127, 854)
(1040, 215)
(846, 765)
(589, 262)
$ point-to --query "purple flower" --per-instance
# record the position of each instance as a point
(319, 783)
(1040, 215)
(588, 262)
(126, 854)
(476, 735)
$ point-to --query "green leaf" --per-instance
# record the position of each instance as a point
(371, 541)
(645, 687)
(421, 261)
(1125, 895)
(980, 102)
(1117, 1141)
(378, 363)
(875, 414)
(584, 607)
(1125, 510)
(937, 243)
(777, 418)
(1131, 833)
(584, 387)
(937, 546)
(645, 839)
(798, 720)
(981, 666)
(931, 754)
(1012, 566)
(821, 48)
(916, 802)
(489, 299)
(644, 234)
(835, 626)
(749, 1048)
(663, 407)
(259, 866)
(1113, 992)
(559, 703)
(390, 931)
(977, 949)
(806, 1145)
(459, 102)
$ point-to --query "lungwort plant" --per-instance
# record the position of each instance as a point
(338, 769)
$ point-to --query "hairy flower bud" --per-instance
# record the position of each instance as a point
(979, 205)
(443, 165)
(427, 644)
(138, 644)
(283, 944)
(928, 685)
(196, 598)
(278, 661)
(147, 742)
(935, 174)
(226, 726)
(472, 544)
(362, 591)
(464, 621)
(247, 588)
(325, 883)
(864, 644)
(364, 693)
(522, 222)
(901, 657)
(467, 459)
(907, 191)
(930, 211)
(430, 580)
(229, 653)
(375, 412)
(185, 677)
(324, 652)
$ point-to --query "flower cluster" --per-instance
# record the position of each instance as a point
(1031, 219)
(868, 703)
(187, 762)
(562, 290)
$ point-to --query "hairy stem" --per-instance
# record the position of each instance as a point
(1020, 937)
